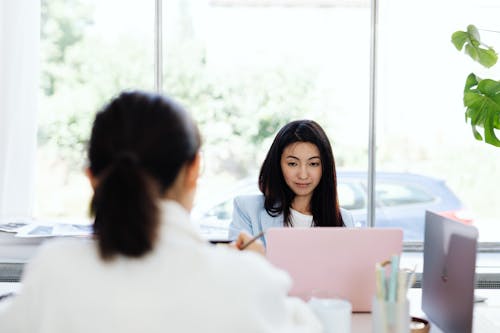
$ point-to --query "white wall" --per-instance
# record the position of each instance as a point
(19, 81)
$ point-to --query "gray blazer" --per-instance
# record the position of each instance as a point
(250, 215)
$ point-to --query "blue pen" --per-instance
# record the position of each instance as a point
(393, 281)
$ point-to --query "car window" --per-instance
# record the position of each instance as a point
(222, 211)
(351, 196)
(389, 194)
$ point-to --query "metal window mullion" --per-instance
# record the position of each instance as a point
(371, 132)
(158, 61)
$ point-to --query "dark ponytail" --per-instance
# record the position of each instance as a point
(124, 197)
(139, 143)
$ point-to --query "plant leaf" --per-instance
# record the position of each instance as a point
(489, 132)
(476, 133)
(472, 52)
(470, 81)
(482, 102)
(459, 38)
(483, 54)
(487, 57)
(473, 32)
(489, 87)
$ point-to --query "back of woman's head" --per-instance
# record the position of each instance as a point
(138, 145)
(278, 196)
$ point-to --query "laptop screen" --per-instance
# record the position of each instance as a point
(449, 270)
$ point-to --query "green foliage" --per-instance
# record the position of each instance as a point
(63, 24)
(481, 96)
(237, 114)
(479, 52)
(482, 100)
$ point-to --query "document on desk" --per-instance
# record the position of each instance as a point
(12, 226)
(55, 230)
(29, 228)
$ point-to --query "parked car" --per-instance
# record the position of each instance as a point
(401, 201)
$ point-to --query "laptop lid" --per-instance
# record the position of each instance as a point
(333, 262)
(449, 272)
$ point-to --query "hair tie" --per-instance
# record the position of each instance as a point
(126, 156)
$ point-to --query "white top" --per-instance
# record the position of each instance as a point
(300, 220)
(184, 285)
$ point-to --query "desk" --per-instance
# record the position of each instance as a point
(486, 314)
(7, 287)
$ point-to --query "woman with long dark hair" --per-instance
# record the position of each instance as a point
(298, 184)
(147, 269)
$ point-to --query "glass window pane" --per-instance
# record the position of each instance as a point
(398, 194)
(246, 70)
(90, 51)
(421, 132)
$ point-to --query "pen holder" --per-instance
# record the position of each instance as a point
(390, 317)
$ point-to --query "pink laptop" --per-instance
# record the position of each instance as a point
(333, 262)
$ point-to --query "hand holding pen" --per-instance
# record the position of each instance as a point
(245, 241)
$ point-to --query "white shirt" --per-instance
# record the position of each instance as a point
(184, 285)
(300, 220)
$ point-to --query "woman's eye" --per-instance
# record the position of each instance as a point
(291, 164)
(315, 164)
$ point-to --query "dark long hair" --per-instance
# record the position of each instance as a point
(278, 196)
(139, 143)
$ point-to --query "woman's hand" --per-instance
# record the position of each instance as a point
(244, 238)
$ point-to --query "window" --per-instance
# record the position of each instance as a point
(420, 115)
(90, 51)
(391, 195)
(244, 68)
(351, 195)
(247, 68)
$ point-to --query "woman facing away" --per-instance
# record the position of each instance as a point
(298, 184)
(147, 269)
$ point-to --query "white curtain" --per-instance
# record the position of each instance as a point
(19, 82)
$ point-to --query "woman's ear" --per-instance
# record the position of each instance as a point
(91, 178)
(192, 172)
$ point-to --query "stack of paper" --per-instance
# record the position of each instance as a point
(26, 228)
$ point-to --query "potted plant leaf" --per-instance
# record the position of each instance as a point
(481, 95)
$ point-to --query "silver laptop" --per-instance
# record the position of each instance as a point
(449, 271)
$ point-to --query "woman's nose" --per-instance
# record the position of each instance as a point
(303, 173)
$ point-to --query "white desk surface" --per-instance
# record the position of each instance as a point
(486, 314)
(6, 287)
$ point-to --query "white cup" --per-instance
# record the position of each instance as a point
(334, 314)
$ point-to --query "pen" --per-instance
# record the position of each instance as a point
(411, 278)
(4, 296)
(244, 246)
(218, 241)
(393, 279)
(402, 287)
